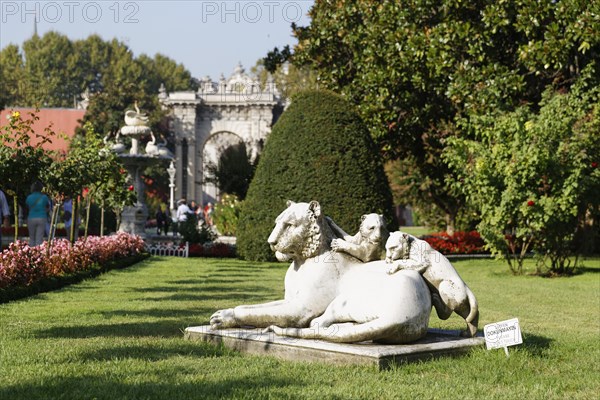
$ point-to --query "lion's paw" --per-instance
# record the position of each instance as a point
(222, 319)
(337, 244)
(275, 329)
(392, 269)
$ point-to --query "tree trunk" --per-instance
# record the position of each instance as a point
(16, 215)
(102, 220)
(450, 223)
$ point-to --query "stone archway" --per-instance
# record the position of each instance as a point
(212, 150)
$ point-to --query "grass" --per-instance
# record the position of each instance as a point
(417, 230)
(119, 336)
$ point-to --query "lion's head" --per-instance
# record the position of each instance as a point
(297, 233)
(372, 228)
(397, 246)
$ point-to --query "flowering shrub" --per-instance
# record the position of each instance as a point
(459, 243)
(22, 265)
(226, 215)
(211, 249)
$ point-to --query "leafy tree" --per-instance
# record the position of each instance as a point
(275, 58)
(318, 150)
(234, 171)
(288, 78)
(534, 177)
(162, 70)
(52, 68)
(418, 70)
(11, 75)
(106, 109)
(53, 71)
(22, 161)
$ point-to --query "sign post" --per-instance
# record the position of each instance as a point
(502, 334)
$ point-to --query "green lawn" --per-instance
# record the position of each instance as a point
(119, 336)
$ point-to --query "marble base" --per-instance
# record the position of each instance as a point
(253, 341)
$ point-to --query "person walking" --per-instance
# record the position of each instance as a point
(182, 211)
(70, 220)
(39, 205)
(4, 214)
(161, 220)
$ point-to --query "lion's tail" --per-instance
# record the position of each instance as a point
(473, 317)
(350, 333)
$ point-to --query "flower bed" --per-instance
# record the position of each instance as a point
(212, 249)
(22, 265)
(459, 243)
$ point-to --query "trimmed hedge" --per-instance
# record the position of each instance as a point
(318, 150)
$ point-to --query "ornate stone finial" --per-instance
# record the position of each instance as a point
(239, 69)
(208, 85)
(162, 92)
(222, 84)
(85, 100)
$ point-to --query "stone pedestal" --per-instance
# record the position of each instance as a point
(133, 220)
(436, 343)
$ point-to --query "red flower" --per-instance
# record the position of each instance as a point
(594, 165)
(530, 203)
(122, 171)
(130, 188)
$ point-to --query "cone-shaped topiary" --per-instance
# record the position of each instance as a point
(318, 150)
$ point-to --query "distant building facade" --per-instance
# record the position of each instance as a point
(219, 115)
(61, 120)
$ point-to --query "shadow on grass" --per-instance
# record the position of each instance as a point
(586, 270)
(111, 387)
(224, 295)
(157, 313)
(163, 328)
(159, 351)
(535, 346)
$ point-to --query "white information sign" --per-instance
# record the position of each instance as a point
(502, 334)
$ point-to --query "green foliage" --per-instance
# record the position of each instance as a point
(21, 161)
(288, 78)
(534, 176)
(11, 71)
(318, 150)
(53, 71)
(416, 69)
(233, 172)
(192, 233)
(88, 167)
(227, 214)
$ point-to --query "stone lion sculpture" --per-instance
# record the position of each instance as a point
(332, 296)
(369, 242)
(448, 291)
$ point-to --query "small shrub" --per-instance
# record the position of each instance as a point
(459, 243)
(226, 215)
(220, 250)
(192, 233)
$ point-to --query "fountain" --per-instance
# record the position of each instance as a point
(133, 218)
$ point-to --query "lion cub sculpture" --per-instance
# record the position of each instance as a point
(368, 243)
(448, 291)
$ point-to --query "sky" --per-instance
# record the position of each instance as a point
(207, 37)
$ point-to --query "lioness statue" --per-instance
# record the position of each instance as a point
(369, 242)
(448, 291)
(333, 296)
